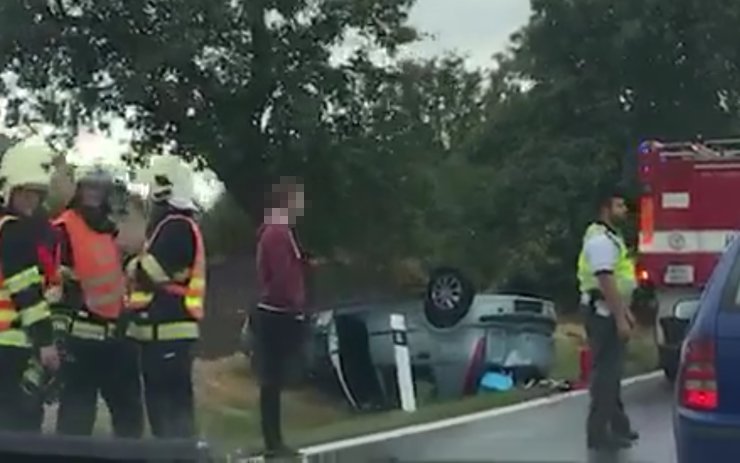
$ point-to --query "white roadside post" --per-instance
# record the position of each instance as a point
(403, 363)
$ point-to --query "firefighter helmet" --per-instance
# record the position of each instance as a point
(170, 180)
(27, 164)
(94, 174)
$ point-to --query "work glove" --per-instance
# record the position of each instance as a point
(38, 384)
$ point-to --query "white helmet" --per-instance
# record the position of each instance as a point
(169, 179)
(28, 163)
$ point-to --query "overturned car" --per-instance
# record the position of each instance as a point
(454, 336)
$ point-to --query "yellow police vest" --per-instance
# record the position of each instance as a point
(624, 270)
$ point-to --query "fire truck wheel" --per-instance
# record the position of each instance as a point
(448, 297)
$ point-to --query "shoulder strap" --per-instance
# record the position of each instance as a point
(63, 218)
(594, 229)
(5, 219)
(169, 218)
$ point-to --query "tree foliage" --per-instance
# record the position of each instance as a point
(424, 160)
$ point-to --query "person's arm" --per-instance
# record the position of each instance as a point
(65, 250)
(169, 257)
(24, 282)
(602, 255)
(71, 298)
(275, 256)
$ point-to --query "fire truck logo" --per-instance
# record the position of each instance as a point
(677, 241)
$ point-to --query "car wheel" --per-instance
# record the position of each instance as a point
(448, 297)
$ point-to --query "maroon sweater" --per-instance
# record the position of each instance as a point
(280, 269)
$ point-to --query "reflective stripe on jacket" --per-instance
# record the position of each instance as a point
(97, 266)
(13, 321)
(189, 284)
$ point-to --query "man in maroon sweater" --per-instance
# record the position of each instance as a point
(279, 318)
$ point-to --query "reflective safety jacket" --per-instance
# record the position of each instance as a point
(25, 317)
(168, 282)
(93, 270)
(624, 269)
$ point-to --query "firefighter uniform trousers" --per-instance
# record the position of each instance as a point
(168, 388)
(167, 328)
(99, 359)
(18, 411)
(105, 365)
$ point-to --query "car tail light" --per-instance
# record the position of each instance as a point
(698, 381)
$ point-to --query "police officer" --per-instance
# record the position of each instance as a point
(169, 284)
(26, 337)
(606, 276)
(99, 359)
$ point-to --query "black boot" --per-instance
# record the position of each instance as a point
(630, 435)
(610, 443)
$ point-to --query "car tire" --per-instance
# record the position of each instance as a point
(448, 297)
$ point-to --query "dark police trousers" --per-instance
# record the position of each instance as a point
(18, 411)
(168, 387)
(111, 368)
(278, 346)
(606, 412)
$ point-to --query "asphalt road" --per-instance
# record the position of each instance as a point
(550, 433)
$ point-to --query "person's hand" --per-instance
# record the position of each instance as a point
(624, 328)
(131, 235)
(49, 356)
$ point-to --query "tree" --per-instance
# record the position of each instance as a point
(601, 75)
(249, 85)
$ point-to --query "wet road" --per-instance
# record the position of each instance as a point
(549, 433)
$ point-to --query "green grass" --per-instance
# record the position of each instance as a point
(229, 415)
(228, 411)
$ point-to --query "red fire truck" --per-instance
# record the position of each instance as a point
(689, 213)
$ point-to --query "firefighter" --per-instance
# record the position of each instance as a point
(26, 338)
(168, 288)
(99, 358)
(607, 280)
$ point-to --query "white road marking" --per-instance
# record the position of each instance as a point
(459, 420)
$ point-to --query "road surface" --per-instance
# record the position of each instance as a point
(549, 433)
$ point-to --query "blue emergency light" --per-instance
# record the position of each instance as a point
(645, 147)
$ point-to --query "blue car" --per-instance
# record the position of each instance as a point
(707, 412)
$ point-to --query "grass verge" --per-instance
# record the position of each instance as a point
(228, 399)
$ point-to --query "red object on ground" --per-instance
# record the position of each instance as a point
(585, 367)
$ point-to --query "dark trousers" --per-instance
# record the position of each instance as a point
(278, 343)
(168, 388)
(606, 412)
(18, 411)
(109, 368)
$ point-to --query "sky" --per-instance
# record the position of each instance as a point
(475, 29)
